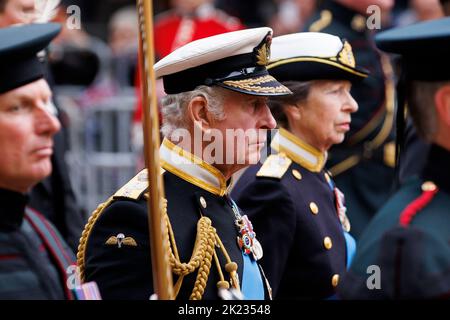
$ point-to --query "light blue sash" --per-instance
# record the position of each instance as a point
(252, 284)
(351, 248)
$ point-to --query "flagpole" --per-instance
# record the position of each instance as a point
(161, 271)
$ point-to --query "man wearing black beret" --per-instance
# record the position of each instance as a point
(34, 259)
(405, 252)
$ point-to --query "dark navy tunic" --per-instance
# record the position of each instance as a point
(292, 203)
(33, 257)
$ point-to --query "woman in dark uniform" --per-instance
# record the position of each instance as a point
(292, 201)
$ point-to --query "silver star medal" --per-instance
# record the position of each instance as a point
(257, 250)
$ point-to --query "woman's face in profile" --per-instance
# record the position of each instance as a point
(325, 116)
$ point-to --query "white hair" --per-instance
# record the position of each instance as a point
(174, 107)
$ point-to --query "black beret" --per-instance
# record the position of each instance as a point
(424, 47)
(19, 46)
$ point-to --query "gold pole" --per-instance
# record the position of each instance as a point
(162, 273)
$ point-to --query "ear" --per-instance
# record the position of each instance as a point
(198, 113)
(293, 112)
(442, 102)
(293, 115)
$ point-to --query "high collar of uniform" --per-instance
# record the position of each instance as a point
(12, 209)
(191, 168)
(298, 151)
(436, 169)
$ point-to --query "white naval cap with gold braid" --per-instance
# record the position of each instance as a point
(308, 56)
(234, 60)
(305, 44)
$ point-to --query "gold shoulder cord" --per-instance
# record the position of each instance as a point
(204, 251)
(85, 236)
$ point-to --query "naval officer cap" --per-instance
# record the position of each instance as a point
(19, 46)
(309, 56)
(424, 48)
(234, 60)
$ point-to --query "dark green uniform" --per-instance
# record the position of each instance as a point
(34, 260)
(414, 259)
(362, 166)
(405, 251)
(33, 257)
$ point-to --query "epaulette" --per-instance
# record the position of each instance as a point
(429, 191)
(324, 21)
(134, 188)
(275, 166)
(131, 190)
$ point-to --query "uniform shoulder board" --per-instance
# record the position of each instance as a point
(134, 188)
(275, 166)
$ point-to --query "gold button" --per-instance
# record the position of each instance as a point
(203, 202)
(327, 243)
(314, 208)
(297, 174)
(335, 280)
(428, 186)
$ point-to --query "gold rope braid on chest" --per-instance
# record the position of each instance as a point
(202, 255)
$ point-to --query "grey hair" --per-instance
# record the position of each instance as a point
(422, 107)
(174, 107)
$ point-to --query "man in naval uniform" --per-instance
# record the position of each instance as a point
(405, 251)
(33, 256)
(292, 200)
(362, 166)
(214, 84)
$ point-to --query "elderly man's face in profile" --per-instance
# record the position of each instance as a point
(26, 131)
(249, 114)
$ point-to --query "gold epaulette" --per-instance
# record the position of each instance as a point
(275, 166)
(134, 188)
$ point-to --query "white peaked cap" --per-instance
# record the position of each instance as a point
(313, 55)
(234, 60)
(305, 44)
